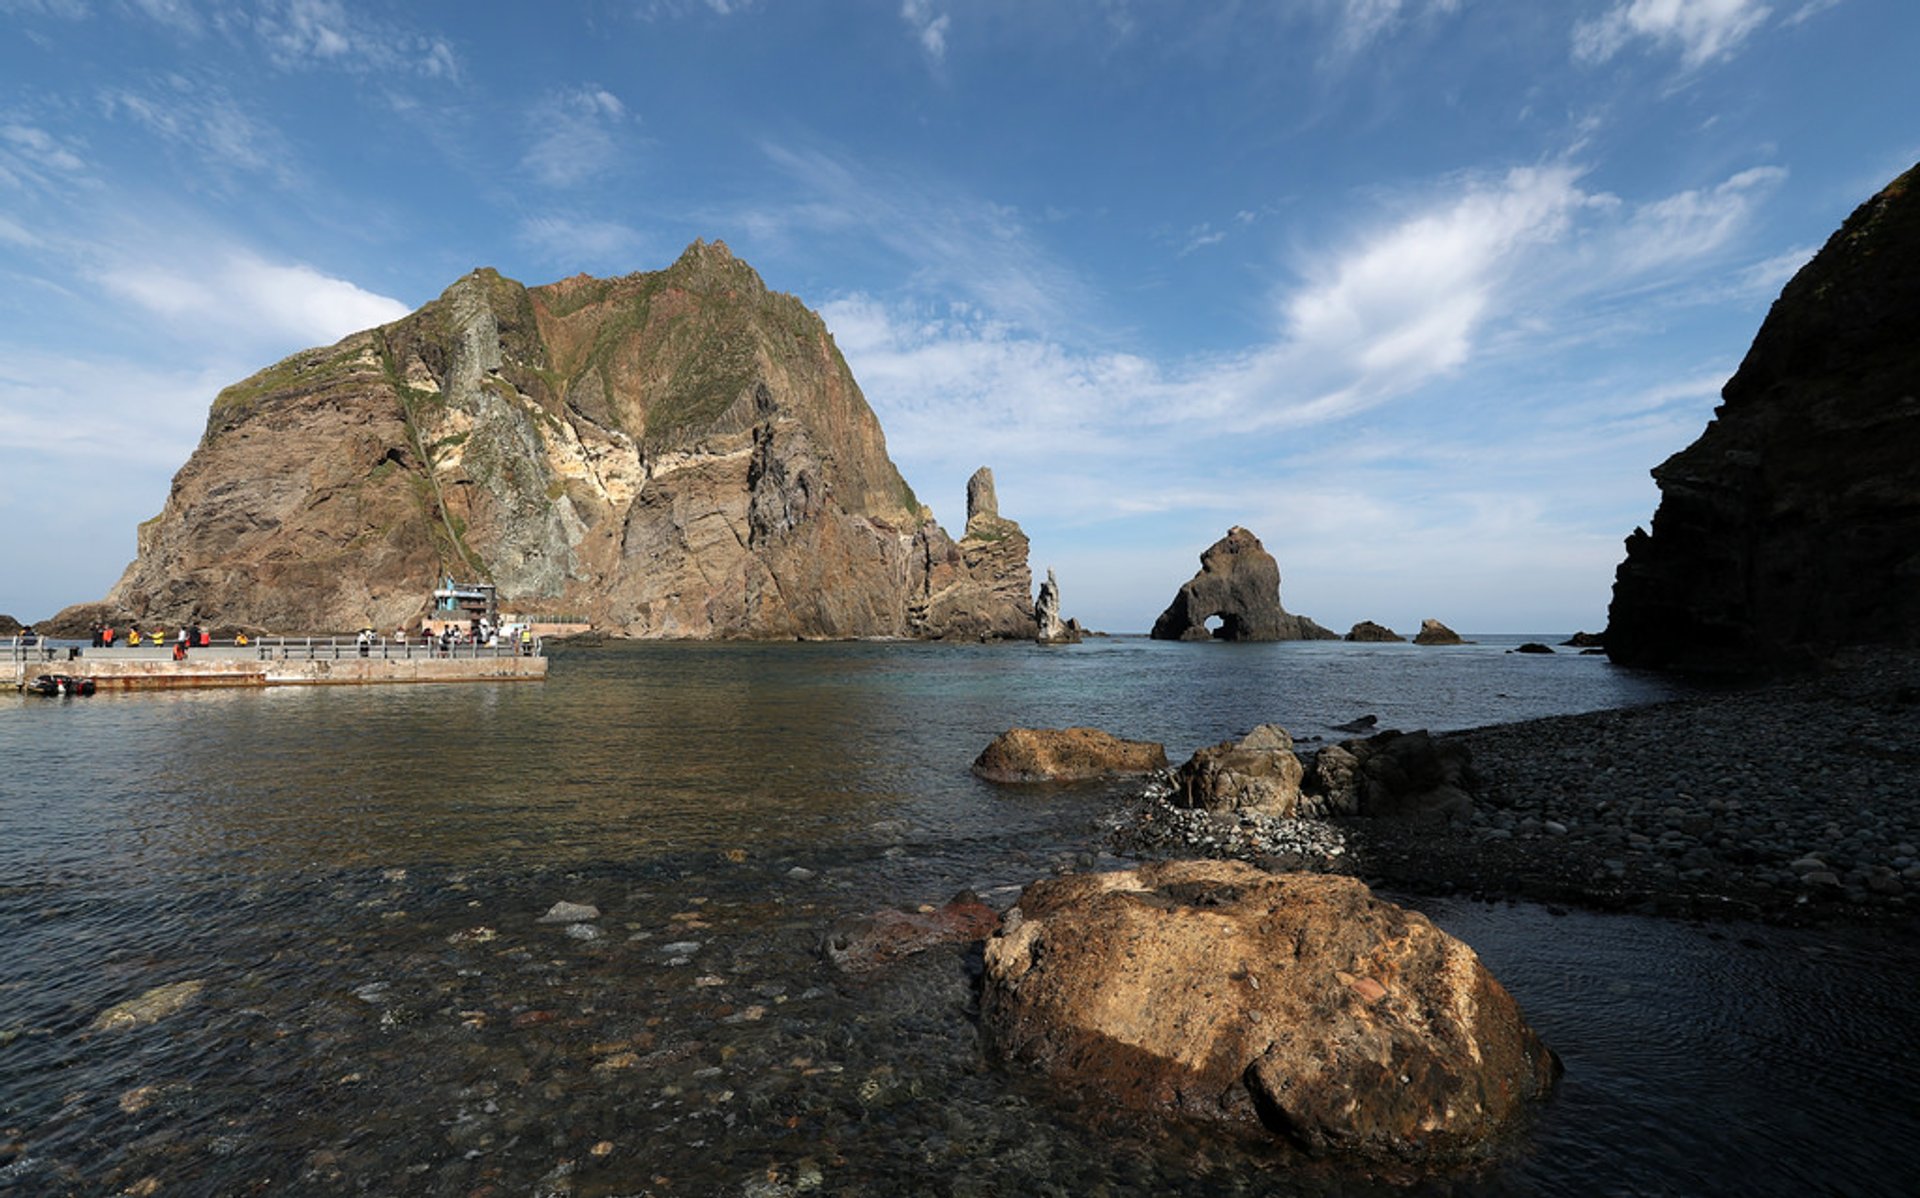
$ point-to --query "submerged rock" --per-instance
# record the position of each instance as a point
(868, 942)
(1293, 1007)
(1066, 755)
(156, 1004)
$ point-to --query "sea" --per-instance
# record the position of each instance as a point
(341, 890)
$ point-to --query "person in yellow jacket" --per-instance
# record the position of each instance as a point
(133, 637)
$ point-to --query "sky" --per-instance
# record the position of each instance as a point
(1417, 290)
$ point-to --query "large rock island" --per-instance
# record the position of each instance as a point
(1792, 526)
(681, 453)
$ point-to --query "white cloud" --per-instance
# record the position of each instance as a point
(1692, 223)
(1702, 30)
(577, 136)
(929, 26)
(35, 147)
(243, 297)
(323, 33)
(179, 15)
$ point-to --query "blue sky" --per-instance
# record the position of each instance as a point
(1418, 290)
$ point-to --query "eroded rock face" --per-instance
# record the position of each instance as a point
(1792, 526)
(1295, 1007)
(1433, 632)
(680, 453)
(1066, 755)
(1238, 582)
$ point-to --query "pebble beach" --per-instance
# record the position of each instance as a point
(1792, 802)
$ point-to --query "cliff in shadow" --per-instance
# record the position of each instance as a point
(1792, 526)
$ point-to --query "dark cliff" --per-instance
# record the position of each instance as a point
(1792, 526)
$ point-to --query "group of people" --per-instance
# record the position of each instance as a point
(190, 636)
(481, 631)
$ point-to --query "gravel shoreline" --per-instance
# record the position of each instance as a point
(1794, 802)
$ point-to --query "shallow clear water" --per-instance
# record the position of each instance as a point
(355, 876)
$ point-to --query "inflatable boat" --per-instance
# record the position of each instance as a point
(60, 684)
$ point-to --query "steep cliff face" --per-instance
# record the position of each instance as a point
(672, 454)
(1792, 526)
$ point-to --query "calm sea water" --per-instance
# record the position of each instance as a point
(355, 876)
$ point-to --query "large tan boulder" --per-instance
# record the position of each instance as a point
(1258, 773)
(1066, 755)
(1289, 1007)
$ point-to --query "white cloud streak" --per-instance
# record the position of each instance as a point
(577, 137)
(242, 297)
(1701, 30)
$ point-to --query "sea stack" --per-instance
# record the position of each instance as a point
(1238, 582)
(1791, 527)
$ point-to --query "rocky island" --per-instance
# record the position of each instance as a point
(677, 453)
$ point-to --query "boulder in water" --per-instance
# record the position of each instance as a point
(1296, 1008)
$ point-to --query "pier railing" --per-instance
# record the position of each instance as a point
(40, 650)
(342, 648)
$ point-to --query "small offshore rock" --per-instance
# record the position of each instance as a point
(1433, 632)
(1368, 631)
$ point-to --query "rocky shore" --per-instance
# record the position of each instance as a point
(1796, 802)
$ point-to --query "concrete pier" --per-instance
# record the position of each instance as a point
(148, 669)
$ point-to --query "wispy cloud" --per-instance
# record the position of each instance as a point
(1701, 30)
(577, 136)
(205, 121)
(929, 26)
(953, 243)
(30, 154)
(1358, 23)
(1435, 297)
(323, 33)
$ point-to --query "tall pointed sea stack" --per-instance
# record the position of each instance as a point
(1792, 526)
(680, 453)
